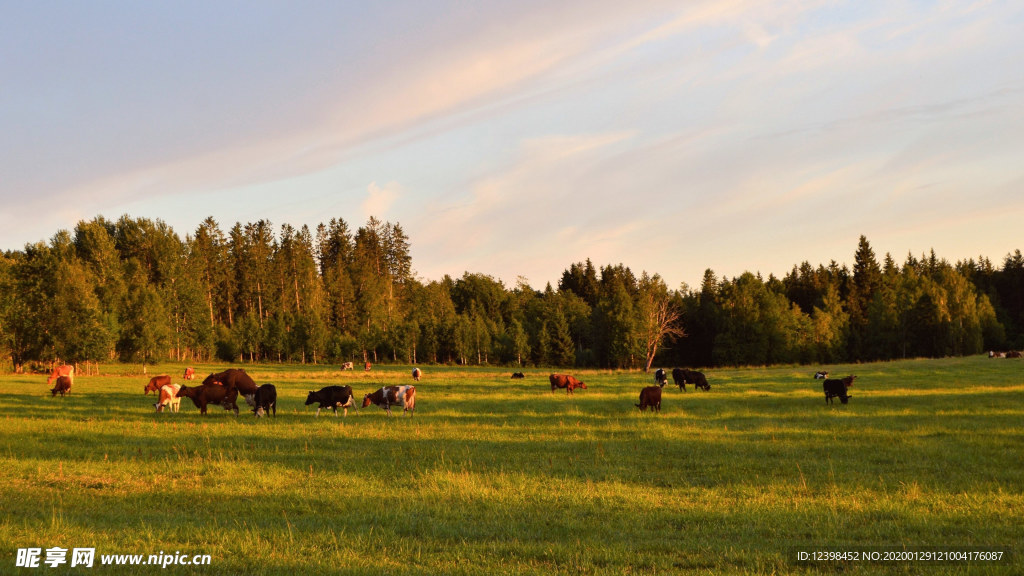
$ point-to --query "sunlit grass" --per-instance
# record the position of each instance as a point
(500, 476)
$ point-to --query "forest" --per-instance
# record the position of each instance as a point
(132, 290)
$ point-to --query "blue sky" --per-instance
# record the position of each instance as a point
(515, 138)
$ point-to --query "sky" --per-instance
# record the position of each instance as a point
(516, 138)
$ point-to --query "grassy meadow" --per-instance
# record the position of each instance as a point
(496, 476)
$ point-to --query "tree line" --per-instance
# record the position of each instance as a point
(133, 290)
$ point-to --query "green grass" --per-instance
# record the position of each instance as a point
(495, 476)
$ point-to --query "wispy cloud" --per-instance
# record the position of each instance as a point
(379, 199)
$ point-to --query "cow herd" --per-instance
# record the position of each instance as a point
(223, 388)
(650, 396)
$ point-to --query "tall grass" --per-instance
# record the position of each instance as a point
(495, 476)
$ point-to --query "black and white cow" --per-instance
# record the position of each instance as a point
(660, 378)
(332, 397)
(266, 400)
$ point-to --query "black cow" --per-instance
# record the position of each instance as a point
(840, 388)
(660, 378)
(518, 375)
(332, 397)
(820, 375)
(650, 396)
(266, 400)
(682, 377)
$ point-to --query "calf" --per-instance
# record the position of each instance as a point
(190, 373)
(332, 397)
(168, 398)
(266, 400)
(416, 373)
(570, 383)
(210, 394)
(404, 396)
(650, 396)
(62, 387)
(834, 388)
(660, 378)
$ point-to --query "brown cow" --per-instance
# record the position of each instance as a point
(570, 383)
(58, 371)
(404, 396)
(156, 383)
(63, 386)
(650, 396)
(190, 373)
(211, 394)
(237, 379)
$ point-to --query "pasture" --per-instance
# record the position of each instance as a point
(500, 476)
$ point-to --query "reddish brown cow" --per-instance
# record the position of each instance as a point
(570, 383)
(211, 394)
(237, 379)
(650, 396)
(156, 383)
(63, 386)
(65, 370)
(190, 373)
(404, 396)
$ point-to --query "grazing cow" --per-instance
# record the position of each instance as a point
(679, 378)
(366, 367)
(236, 379)
(156, 383)
(660, 378)
(266, 400)
(682, 377)
(416, 373)
(650, 396)
(63, 386)
(404, 396)
(332, 397)
(570, 383)
(207, 394)
(347, 366)
(838, 387)
(190, 373)
(820, 375)
(65, 370)
(168, 398)
(518, 375)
